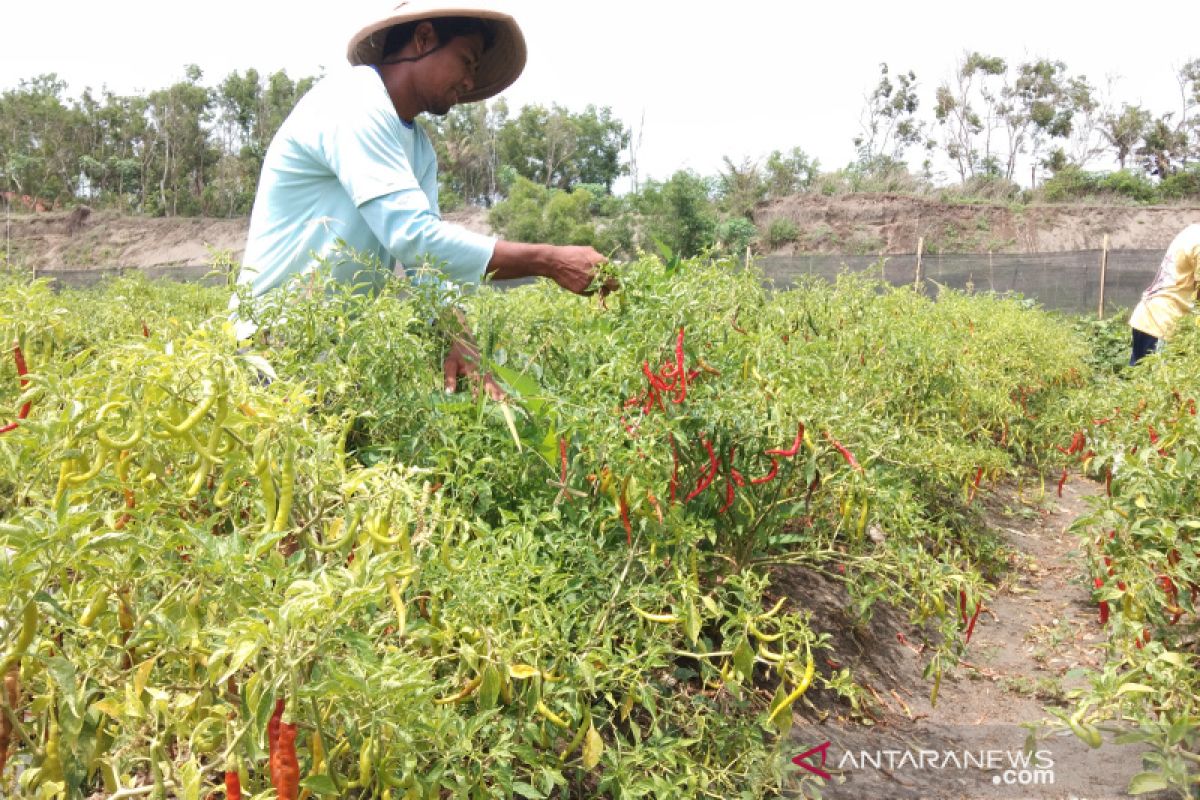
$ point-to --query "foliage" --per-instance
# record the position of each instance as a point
(890, 125)
(735, 235)
(565, 595)
(679, 213)
(781, 231)
(1137, 432)
(790, 173)
(556, 148)
(533, 213)
(1073, 184)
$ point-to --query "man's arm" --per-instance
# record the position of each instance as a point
(571, 267)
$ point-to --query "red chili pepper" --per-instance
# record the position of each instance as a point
(706, 478)
(655, 381)
(971, 625)
(145, 330)
(794, 449)
(625, 520)
(962, 605)
(1153, 434)
(1062, 481)
(284, 766)
(681, 395)
(1108, 482)
(1099, 583)
(975, 485)
(233, 785)
(770, 476)
(273, 727)
(728, 497)
(22, 371)
(1168, 586)
(846, 454)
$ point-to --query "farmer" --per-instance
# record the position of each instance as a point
(350, 179)
(1170, 296)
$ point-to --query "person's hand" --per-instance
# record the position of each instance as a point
(463, 361)
(576, 268)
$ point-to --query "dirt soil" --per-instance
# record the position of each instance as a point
(850, 224)
(870, 224)
(71, 240)
(1034, 641)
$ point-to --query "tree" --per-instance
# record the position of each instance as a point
(39, 142)
(554, 147)
(1188, 78)
(535, 213)
(1047, 101)
(969, 113)
(180, 145)
(790, 173)
(465, 141)
(679, 213)
(889, 120)
(1164, 147)
(1124, 131)
(740, 188)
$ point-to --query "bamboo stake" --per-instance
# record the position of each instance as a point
(1103, 277)
(918, 282)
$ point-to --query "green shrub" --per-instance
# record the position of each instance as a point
(735, 234)
(782, 230)
(1182, 185)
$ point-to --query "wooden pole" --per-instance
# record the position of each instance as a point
(920, 277)
(1103, 277)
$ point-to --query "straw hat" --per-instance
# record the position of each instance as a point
(498, 67)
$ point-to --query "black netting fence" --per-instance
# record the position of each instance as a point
(77, 278)
(1067, 282)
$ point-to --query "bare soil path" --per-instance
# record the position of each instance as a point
(1035, 639)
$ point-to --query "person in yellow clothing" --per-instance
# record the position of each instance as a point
(1171, 295)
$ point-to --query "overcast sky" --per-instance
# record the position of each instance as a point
(736, 79)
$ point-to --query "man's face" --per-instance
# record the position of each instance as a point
(450, 72)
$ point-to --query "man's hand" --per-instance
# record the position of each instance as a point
(463, 361)
(576, 268)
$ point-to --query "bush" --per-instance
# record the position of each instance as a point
(680, 213)
(1072, 183)
(534, 213)
(1125, 183)
(987, 188)
(735, 234)
(1182, 185)
(782, 230)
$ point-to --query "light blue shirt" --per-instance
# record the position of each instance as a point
(348, 185)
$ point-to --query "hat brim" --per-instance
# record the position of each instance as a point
(499, 66)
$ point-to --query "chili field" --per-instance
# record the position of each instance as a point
(302, 569)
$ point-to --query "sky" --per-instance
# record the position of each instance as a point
(696, 81)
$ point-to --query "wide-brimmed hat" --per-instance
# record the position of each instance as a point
(498, 67)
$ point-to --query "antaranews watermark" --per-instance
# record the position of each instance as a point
(1012, 767)
(1002, 761)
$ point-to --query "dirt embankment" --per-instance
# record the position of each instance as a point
(892, 224)
(80, 239)
(850, 224)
